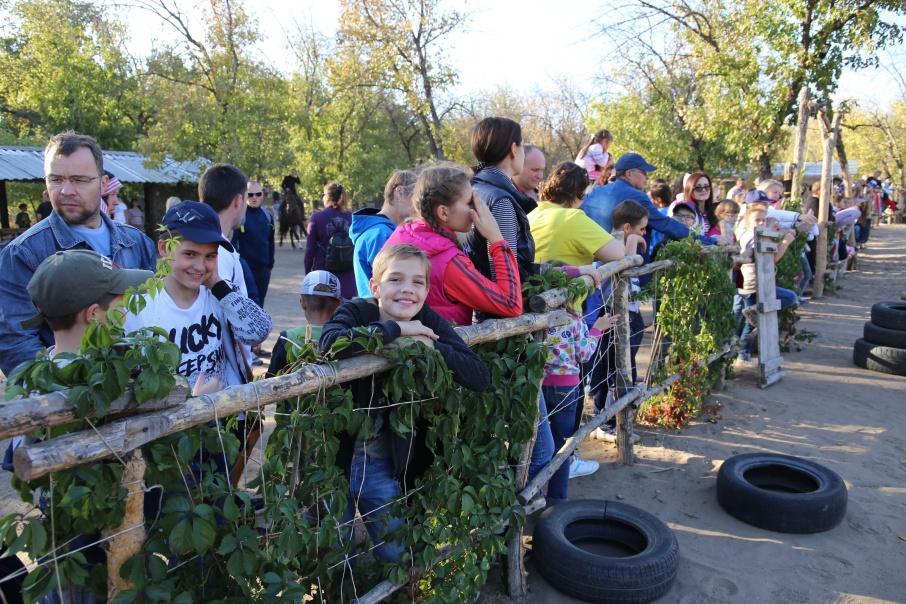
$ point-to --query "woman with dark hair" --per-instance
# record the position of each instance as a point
(328, 246)
(594, 156)
(699, 191)
(497, 145)
(563, 232)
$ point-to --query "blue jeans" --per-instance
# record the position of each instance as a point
(543, 449)
(563, 401)
(372, 488)
(742, 301)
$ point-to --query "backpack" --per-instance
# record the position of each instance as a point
(340, 250)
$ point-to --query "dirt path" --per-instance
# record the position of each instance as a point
(825, 409)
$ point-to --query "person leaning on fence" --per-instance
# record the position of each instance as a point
(70, 290)
(371, 228)
(74, 174)
(630, 221)
(381, 468)
(744, 303)
(199, 310)
(320, 298)
(446, 205)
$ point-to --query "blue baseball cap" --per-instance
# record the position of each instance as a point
(197, 222)
(633, 161)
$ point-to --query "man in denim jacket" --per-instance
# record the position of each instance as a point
(74, 173)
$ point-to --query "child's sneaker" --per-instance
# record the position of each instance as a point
(582, 467)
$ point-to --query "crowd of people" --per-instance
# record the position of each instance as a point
(448, 246)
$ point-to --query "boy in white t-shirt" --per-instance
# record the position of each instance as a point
(200, 311)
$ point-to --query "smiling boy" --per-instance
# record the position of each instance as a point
(399, 284)
(201, 312)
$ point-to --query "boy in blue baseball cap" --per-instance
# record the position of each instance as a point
(201, 312)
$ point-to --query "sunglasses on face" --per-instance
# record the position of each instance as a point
(258, 194)
(702, 188)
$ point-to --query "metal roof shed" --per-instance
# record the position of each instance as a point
(27, 164)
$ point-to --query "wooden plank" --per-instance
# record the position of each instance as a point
(24, 415)
(126, 434)
(769, 306)
(771, 365)
(766, 245)
(623, 363)
(555, 298)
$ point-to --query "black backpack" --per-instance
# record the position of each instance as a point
(340, 249)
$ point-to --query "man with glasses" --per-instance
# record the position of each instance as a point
(254, 239)
(630, 181)
(74, 175)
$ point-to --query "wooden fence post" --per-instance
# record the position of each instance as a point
(623, 362)
(515, 559)
(129, 537)
(769, 359)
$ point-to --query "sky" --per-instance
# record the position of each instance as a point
(533, 44)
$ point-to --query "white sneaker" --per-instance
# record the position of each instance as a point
(608, 434)
(605, 433)
(582, 467)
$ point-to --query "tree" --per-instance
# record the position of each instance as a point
(210, 97)
(754, 57)
(62, 67)
(396, 43)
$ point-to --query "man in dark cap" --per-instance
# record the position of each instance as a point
(630, 179)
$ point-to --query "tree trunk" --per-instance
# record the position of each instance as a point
(844, 166)
(764, 165)
(799, 148)
(830, 134)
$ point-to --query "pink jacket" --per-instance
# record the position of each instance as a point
(440, 252)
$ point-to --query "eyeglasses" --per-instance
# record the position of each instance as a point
(258, 194)
(55, 181)
(702, 188)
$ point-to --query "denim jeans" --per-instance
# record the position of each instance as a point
(742, 301)
(372, 488)
(562, 401)
(543, 449)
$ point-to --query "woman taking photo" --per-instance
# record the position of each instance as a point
(328, 246)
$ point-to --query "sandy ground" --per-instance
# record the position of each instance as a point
(825, 409)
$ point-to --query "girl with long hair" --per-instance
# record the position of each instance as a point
(594, 156)
(326, 230)
(445, 204)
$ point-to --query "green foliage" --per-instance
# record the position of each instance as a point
(208, 543)
(695, 312)
(553, 279)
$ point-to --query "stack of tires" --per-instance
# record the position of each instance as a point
(883, 345)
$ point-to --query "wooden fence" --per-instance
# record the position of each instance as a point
(129, 428)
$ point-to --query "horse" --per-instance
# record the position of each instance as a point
(292, 217)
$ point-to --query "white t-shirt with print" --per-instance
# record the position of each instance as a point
(197, 330)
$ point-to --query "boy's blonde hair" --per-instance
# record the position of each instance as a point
(751, 210)
(400, 251)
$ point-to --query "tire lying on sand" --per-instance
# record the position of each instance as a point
(885, 359)
(781, 493)
(605, 551)
(891, 315)
(881, 336)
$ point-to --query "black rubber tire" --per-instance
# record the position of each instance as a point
(644, 575)
(802, 496)
(885, 359)
(881, 336)
(891, 315)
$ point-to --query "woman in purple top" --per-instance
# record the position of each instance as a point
(328, 246)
